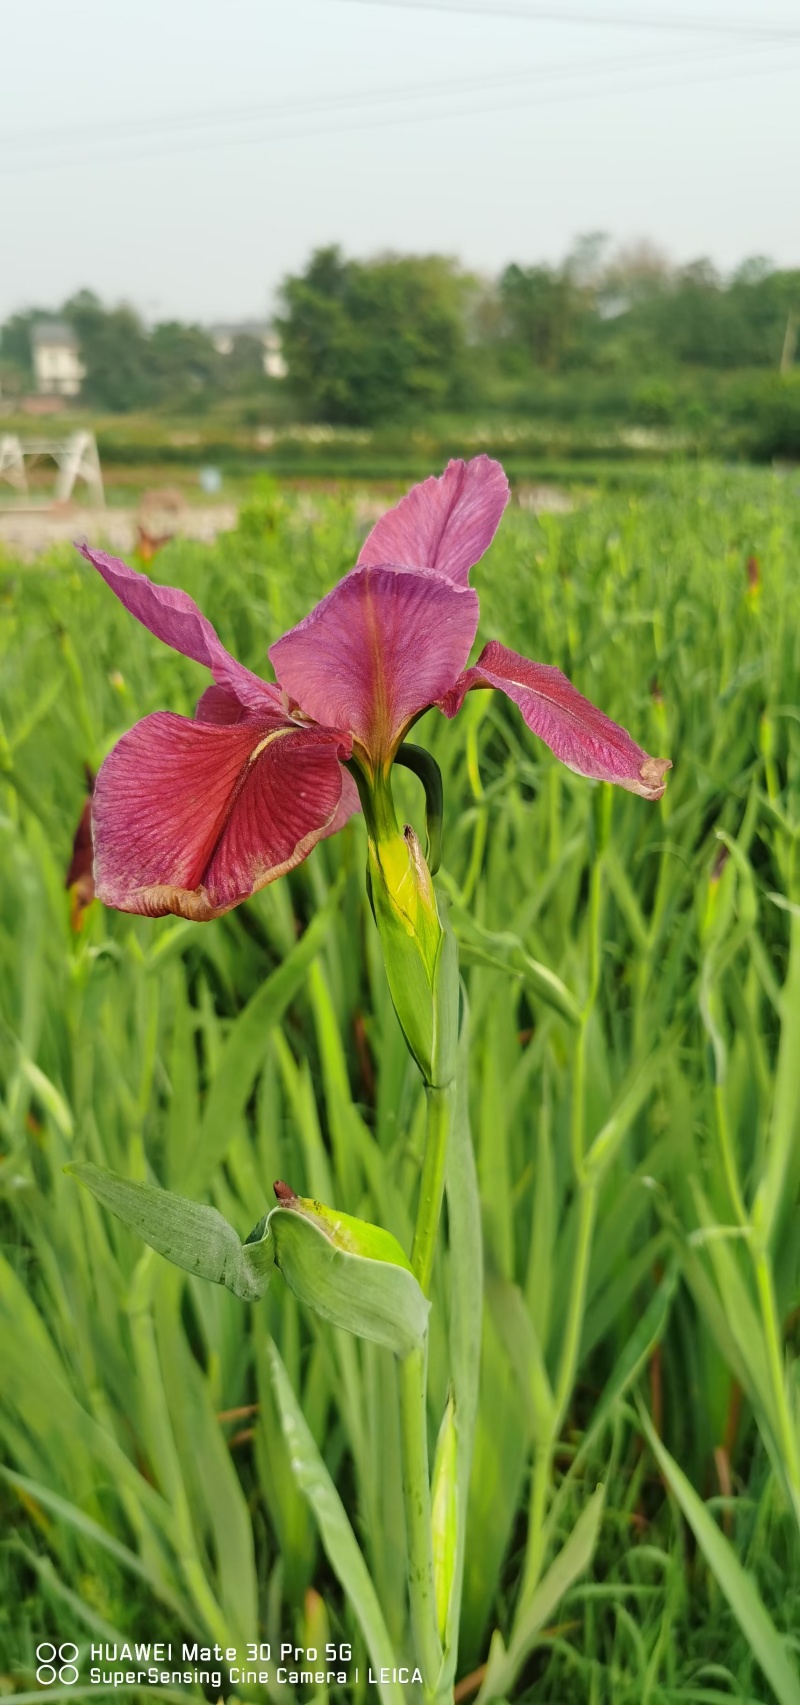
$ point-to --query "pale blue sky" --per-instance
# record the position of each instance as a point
(184, 154)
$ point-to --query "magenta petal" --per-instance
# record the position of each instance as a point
(219, 706)
(579, 734)
(443, 524)
(174, 617)
(347, 807)
(191, 818)
(382, 646)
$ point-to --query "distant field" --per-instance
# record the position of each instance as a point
(570, 428)
(157, 1496)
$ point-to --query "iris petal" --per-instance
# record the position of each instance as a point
(174, 617)
(192, 817)
(443, 524)
(385, 643)
(579, 734)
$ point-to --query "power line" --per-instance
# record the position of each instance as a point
(353, 121)
(122, 130)
(770, 31)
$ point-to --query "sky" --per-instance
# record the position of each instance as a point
(185, 155)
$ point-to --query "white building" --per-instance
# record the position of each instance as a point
(223, 337)
(56, 360)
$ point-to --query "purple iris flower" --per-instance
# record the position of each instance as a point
(193, 816)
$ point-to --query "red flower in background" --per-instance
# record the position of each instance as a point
(194, 816)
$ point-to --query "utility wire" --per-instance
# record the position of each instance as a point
(352, 121)
(772, 30)
(134, 127)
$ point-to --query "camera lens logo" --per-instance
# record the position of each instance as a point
(56, 1663)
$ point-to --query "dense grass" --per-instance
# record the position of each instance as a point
(663, 1047)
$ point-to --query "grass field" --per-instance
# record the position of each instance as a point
(633, 974)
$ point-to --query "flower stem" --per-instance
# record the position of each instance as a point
(431, 1187)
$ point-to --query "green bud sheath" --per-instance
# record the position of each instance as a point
(356, 1237)
(413, 940)
(444, 1515)
(405, 912)
(351, 1273)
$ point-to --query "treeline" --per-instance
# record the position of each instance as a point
(623, 337)
(365, 340)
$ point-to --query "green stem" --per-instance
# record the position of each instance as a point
(431, 1188)
(417, 1499)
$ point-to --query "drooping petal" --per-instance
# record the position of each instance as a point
(347, 807)
(219, 706)
(444, 524)
(174, 617)
(383, 645)
(192, 817)
(579, 734)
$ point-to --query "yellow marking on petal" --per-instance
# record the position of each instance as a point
(262, 745)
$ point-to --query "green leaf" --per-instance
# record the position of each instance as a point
(375, 1296)
(507, 952)
(466, 1314)
(69, 1513)
(340, 1543)
(375, 1299)
(246, 1046)
(518, 1335)
(190, 1234)
(768, 1646)
(572, 1560)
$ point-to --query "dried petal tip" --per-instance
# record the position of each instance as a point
(579, 734)
(284, 1192)
(652, 773)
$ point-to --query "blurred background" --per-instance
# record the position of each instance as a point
(352, 236)
(261, 267)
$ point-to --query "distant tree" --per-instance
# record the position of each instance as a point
(542, 307)
(242, 370)
(183, 362)
(366, 340)
(16, 352)
(115, 353)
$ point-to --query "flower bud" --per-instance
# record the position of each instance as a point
(444, 1515)
(404, 906)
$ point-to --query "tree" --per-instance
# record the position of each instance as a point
(114, 351)
(541, 306)
(368, 340)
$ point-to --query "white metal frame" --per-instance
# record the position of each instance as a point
(76, 457)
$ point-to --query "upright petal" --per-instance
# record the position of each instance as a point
(443, 524)
(579, 734)
(382, 646)
(174, 617)
(192, 817)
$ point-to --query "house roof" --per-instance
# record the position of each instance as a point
(53, 332)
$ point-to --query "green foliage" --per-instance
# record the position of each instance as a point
(633, 982)
(368, 341)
